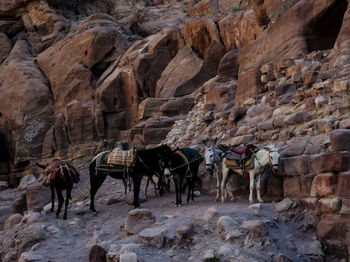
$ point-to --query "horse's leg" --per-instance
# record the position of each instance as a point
(95, 184)
(60, 201)
(229, 188)
(251, 186)
(137, 183)
(125, 186)
(68, 196)
(147, 183)
(177, 188)
(52, 189)
(154, 186)
(189, 183)
(218, 182)
(258, 188)
(225, 172)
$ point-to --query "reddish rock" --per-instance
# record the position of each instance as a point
(229, 64)
(177, 106)
(150, 106)
(345, 207)
(274, 189)
(306, 184)
(220, 94)
(296, 147)
(323, 185)
(20, 204)
(5, 46)
(97, 254)
(283, 258)
(25, 102)
(255, 227)
(199, 33)
(291, 187)
(12, 221)
(203, 7)
(329, 205)
(183, 66)
(249, 85)
(328, 162)
(37, 197)
(340, 140)
(294, 166)
(343, 42)
(238, 31)
(343, 185)
(137, 220)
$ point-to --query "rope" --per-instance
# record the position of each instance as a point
(172, 169)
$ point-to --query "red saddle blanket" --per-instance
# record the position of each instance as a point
(240, 150)
(57, 167)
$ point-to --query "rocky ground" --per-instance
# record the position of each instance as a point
(200, 230)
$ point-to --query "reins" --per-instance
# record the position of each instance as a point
(186, 164)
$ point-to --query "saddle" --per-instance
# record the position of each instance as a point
(120, 157)
(58, 167)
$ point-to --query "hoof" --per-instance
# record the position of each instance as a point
(64, 217)
(51, 210)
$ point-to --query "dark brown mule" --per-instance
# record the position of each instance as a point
(60, 175)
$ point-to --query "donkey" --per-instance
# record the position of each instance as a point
(60, 175)
(212, 157)
(261, 157)
(145, 161)
(182, 163)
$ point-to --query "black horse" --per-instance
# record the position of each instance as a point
(146, 161)
(60, 175)
(182, 163)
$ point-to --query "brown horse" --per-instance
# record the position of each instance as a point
(60, 175)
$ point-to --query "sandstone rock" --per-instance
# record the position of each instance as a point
(284, 205)
(245, 139)
(178, 106)
(249, 85)
(203, 7)
(345, 207)
(323, 185)
(340, 140)
(12, 221)
(26, 102)
(228, 228)
(37, 197)
(255, 227)
(5, 45)
(220, 94)
(292, 187)
(31, 218)
(306, 184)
(292, 166)
(328, 162)
(31, 257)
(26, 181)
(225, 251)
(199, 33)
(229, 64)
(185, 231)
(150, 106)
(137, 220)
(342, 189)
(238, 31)
(158, 236)
(20, 204)
(307, 247)
(97, 254)
(183, 66)
(128, 257)
(212, 215)
(309, 202)
(326, 205)
(283, 258)
(296, 147)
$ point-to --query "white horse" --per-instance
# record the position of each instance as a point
(259, 160)
(212, 157)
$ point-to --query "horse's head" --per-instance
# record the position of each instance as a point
(209, 156)
(274, 157)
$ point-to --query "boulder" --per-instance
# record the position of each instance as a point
(294, 166)
(292, 187)
(329, 205)
(220, 94)
(340, 140)
(203, 7)
(228, 228)
(185, 231)
(255, 227)
(137, 220)
(26, 181)
(212, 215)
(284, 205)
(97, 254)
(5, 46)
(150, 106)
(327, 162)
(229, 65)
(37, 197)
(342, 188)
(323, 185)
(296, 147)
(280, 257)
(177, 106)
(158, 237)
(30, 257)
(20, 204)
(128, 257)
(342, 42)
(12, 221)
(237, 31)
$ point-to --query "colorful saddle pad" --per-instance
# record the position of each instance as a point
(121, 157)
(191, 154)
(59, 167)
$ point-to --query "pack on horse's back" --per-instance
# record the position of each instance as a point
(58, 167)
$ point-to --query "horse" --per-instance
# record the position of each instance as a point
(60, 175)
(257, 160)
(145, 161)
(179, 164)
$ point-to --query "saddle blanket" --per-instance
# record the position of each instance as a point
(121, 157)
(58, 167)
(191, 154)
